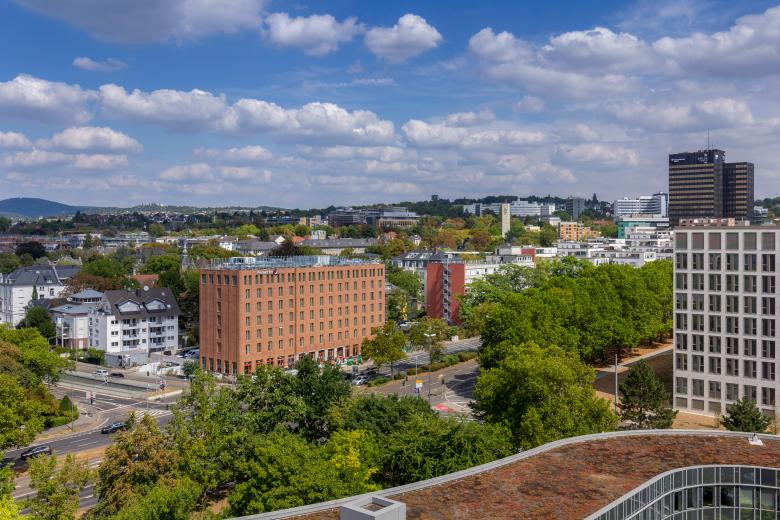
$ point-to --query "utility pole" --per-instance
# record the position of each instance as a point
(430, 362)
(616, 383)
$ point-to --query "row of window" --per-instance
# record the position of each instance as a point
(715, 390)
(713, 324)
(749, 345)
(750, 367)
(715, 261)
(714, 303)
(732, 242)
(326, 355)
(331, 337)
(750, 282)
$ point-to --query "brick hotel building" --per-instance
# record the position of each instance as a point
(275, 311)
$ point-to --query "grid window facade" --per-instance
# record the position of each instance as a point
(725, 315)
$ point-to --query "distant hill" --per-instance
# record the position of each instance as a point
(31, 207)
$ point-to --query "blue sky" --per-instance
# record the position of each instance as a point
(255, 102)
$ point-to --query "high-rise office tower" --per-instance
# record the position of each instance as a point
(703, 185)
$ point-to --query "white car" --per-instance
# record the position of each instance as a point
(101, 372)
(360, 380)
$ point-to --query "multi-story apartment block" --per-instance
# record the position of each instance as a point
(655, 204)
(19, 288)
(624, 224)
(131, 325)
(274, 311)
(517, 208)
(703, 185)
(568, 231)
(382, 218)
(725, 316)
(71, 319)
(574, 206)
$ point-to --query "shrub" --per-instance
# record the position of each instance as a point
(451, 359)
(378, 381)
(68, 408)
(465, 356)
(399, 376)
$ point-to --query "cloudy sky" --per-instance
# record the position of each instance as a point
(262, 102)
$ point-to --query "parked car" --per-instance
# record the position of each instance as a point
(117, 374)
(360, 380)
(36, 451)
(102, 372)
(113, 427)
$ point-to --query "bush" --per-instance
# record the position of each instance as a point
(68, 408)
(57, 421)
(378, 381)
(413, 371)
(399, 376)
(95, 356)
(465, 356)
(452, 359)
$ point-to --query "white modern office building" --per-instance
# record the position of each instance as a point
(655, 204)
(725, 316)
(518, 208)
(71, 319)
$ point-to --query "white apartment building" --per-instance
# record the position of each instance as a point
(19, 288)
(130, 325)
(725, 317)
(655, 204)
(71, 319)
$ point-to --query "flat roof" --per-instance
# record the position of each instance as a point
(265, 262)
(567, 479)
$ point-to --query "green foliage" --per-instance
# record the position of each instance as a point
(210, 251)
(38, 318)
(592, 311)
(424, 447)
(95, 356)
(246, 230)
(9, 263)
(428, 334)
(20, 419)
(378, 414)
(9, 510)
(744, 416)
(156, 229)
(644, 402)
(105, 268)
(168, 499)
(397, 306)
(321, 388)
(541, 394)
(406, 280)
(32, 248)
(57, 489)
(281, 471)
(68, 408)
(386, 346)
(139, 459)
(189, 367)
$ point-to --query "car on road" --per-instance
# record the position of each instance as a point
(113, 427)
(35, 451)
(117, 374)
(360, 380)
(102, 372)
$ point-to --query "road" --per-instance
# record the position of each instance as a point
(420, 357)
(110, 409)
(453, 394)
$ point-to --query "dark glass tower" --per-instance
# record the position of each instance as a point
(703, 185)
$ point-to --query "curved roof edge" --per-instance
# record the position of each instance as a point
(450, 477)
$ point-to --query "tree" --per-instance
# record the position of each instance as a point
(644, 400)
(169, 499)
(138, 460)
(21, 419)
(104, 267)
(744, 416)
(386, 346)
(57, 489)
(397, 306)
(542, 394)
(548, 235)
(9, 263)
(378, 414)
(429, 333)
(189, 367)
(156, 229)
(320, 388)
(38, 318)
(32, 248)
(281, 470)
(429, 446)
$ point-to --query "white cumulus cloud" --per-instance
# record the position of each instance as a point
(14, 140)
(412, 35)
(92, 139)
(315, 34)
(28, 97)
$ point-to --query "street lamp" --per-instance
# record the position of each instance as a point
(430, 361)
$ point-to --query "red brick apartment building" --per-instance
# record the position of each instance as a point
(276, 310)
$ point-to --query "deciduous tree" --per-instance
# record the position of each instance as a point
(386, 346)
(57, 489)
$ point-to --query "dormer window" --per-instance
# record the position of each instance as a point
(155, 305)
(129, 306)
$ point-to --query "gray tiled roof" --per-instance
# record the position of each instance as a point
(142, 297)
(42, 275)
